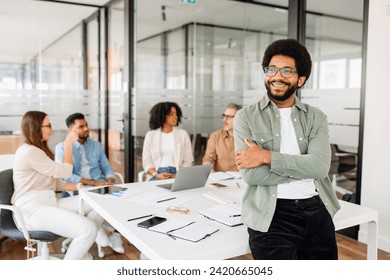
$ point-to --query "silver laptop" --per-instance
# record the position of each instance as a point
(189, 178)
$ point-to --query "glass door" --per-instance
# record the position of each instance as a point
(115, 93)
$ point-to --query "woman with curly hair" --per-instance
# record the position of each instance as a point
(166, 147)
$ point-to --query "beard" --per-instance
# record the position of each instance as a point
(292, 88)
(84, 136)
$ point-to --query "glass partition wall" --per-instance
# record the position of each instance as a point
(61, 76)
(202, 55)
(335, 43)
(215, 58)
(211, 60)
(51, 81)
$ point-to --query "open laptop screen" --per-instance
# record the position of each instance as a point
(189, 178)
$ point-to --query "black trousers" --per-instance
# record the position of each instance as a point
(300, 230)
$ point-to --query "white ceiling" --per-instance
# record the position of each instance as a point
(26, 26)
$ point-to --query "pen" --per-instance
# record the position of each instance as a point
(238, 185)
(166, 199)
(239, 215)
(140, 217)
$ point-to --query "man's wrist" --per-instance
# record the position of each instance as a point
(154, 173)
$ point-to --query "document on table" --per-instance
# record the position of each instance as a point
(224, 213)
(220, 176)
(130, 191)
(160, 199)
(184, 229)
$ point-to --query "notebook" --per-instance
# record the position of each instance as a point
(184, 229)
(224, 213)
(189, 178)
(220, 176)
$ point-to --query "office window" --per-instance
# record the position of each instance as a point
(332, 74)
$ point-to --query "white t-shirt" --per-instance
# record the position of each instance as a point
(167, 146)
(299, 189)
(85, 167)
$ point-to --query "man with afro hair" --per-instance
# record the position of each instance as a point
(283, 153)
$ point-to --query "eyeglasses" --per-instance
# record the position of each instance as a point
(229, 117)
(286, 72)
(181, 210)
(47, 125)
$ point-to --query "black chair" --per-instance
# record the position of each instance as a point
(7, 224)
(343, 168)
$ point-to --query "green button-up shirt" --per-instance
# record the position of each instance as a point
(260, 122)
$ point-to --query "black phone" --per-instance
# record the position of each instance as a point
(151, 222)
(108, 190)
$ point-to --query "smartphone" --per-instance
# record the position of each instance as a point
(219, 185)
(108, 190)
(151, 222)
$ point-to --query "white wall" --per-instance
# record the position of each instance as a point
(376, 146)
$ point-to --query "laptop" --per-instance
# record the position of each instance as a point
(189, 178)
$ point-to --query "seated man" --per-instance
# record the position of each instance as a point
(90, 167)
(220, 145)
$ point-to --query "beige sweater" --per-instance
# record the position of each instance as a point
(35, 171)
(151, 154)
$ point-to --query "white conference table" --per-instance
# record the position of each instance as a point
(351, 215)
(227, 243)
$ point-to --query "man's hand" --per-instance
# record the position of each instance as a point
(102, 183)
(111, 180)
(96, 183)
(72, 136)
(253, 156)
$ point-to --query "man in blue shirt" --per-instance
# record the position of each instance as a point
(90, 167)
(90, 164)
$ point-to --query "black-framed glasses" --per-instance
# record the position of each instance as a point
(229, 117)
(286, 72)
(47, 125)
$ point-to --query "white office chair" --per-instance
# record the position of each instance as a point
(119, 177)
(10, 214)
(143, 176)
(101, 253)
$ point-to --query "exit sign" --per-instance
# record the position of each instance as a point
(189, 1)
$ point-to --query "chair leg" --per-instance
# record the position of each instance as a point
(43, 250)
(4, 238)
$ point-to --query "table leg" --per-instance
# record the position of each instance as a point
(372, 240)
